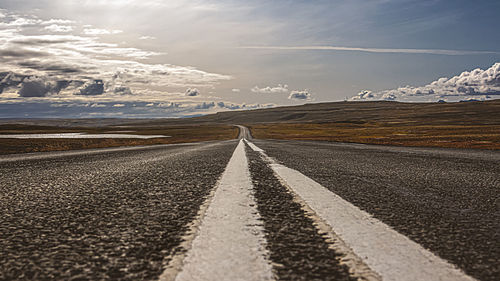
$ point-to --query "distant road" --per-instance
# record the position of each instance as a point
(244, 133)
(251, 210)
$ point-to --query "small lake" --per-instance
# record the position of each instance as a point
(80, 136)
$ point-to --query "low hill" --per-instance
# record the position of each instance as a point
(477, 113)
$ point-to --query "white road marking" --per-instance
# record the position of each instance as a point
(254, 147)
(230, 244)
(390, 254)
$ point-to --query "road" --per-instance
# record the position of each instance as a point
(251, 210)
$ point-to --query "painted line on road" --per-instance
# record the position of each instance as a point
(388, 253)
(230, 243)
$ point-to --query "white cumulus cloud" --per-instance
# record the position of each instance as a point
(192, 92)
(147, 38)
(59, 28)
(100, 31)
(467, 85)
(280, 89)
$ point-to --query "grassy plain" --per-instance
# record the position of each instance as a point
(456, 125)
(178, 134)
(453, 136)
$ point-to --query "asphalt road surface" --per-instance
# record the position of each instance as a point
(113, 215)
(253, 210)
(446, 200)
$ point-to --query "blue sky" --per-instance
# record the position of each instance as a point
(152, 58)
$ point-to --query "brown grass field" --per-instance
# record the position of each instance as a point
(454, 125)
(452, 136)
(179, 134)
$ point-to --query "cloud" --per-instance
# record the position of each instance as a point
(10, 79)
(235, 90)
(58, 21)
(31, 86)
(192, 92)
(59, 28)
(122, 90)
(205, 105)
(28, 50)
(34, 87)
(280, 89)
(365, 94)
(21, 22)
(468, 84)
(147, 38)
(373, 50)
(63, 84)
(234, 106)
(300, 95)
(94, 88)
(50, 67)
(100, 31)
(14, 53)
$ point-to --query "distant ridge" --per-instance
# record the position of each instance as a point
(479, 113)
(466, 113)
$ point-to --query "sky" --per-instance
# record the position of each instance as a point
(155, 58)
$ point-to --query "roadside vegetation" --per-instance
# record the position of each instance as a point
(453, 136)
(178, 134)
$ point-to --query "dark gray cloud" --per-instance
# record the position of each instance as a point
(10, 79)
(94, 88)
(122, 90)
(34, 87)
(52, 67)
(37, 41)
(192, 92)
(20, 53)
(60, 85)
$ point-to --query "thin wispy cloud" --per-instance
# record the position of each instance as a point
(100, 31)
(373, 50)
(280, 89)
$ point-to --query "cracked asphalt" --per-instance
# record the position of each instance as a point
(110, 215)
(444, 199)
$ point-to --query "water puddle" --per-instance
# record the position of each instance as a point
(80, 136)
